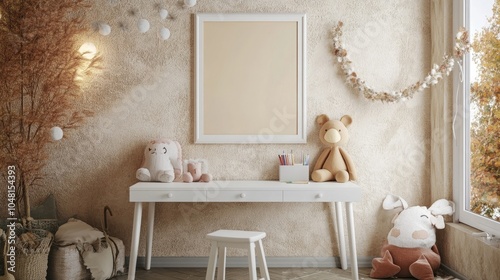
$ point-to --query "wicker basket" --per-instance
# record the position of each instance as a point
(31, 263)
(46, 224)
(31, 266)
(65, 262)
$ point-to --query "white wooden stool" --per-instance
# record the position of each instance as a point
(222, 239)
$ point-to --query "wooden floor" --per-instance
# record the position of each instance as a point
(242, 274)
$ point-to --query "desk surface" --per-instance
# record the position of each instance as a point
(244, 191)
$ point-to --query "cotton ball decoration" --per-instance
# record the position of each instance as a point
(104, 29)
(163, 14)
(143, 25)
(189, 3)
(56, 133)
(164, 33)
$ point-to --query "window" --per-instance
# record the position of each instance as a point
(476, 154)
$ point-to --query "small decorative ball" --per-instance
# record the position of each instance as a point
(164, 33)
(143, 25)
(104, 29)
(189, 3)
(163, 14)
(56, 133)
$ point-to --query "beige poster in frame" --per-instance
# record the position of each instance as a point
(250, 78)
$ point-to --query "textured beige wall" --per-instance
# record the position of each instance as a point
(145, 90)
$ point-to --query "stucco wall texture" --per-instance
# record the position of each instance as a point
(146, 90)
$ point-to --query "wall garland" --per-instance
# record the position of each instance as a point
(437, 72)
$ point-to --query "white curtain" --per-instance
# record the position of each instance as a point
(441, 102)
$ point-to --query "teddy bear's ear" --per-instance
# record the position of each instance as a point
(346, 120)
(322, 119)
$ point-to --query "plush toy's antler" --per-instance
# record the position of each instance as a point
(393, 202)
(442, 207)
(439, 208)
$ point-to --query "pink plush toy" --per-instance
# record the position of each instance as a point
(411, 250)
(162, 161)
(196, 171)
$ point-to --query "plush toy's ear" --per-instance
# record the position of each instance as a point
(346, 120)
(442, 207)
(322, 119)
(392, 202)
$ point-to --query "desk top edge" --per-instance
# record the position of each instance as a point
(241, 184)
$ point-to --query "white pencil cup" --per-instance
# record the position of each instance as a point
(294, 173)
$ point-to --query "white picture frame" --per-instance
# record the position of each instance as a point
(250, 78)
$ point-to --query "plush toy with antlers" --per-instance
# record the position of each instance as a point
(410, 250)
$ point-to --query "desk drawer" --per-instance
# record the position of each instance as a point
(169, 196)
(309, 196)
(246, 196)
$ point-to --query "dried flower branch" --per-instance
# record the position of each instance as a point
(39, 61)
(433, 77)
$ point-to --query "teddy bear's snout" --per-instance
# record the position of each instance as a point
(332, 136)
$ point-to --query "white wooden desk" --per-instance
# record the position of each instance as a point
(244, 191)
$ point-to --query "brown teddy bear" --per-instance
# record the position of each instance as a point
(334, 163)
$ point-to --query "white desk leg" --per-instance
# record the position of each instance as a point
(340, 231)
(352, 241)
(149, 242)
(134, 247)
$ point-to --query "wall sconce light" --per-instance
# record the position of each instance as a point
(104, 29)
(143, 25)
(88, 50)
(164, 33)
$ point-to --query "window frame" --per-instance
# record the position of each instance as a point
(461, 126)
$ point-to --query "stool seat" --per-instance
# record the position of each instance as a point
(236, 235)
(250, 240)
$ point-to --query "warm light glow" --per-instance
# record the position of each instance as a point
(88, 50)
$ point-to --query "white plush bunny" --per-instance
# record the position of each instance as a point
(162, 161)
